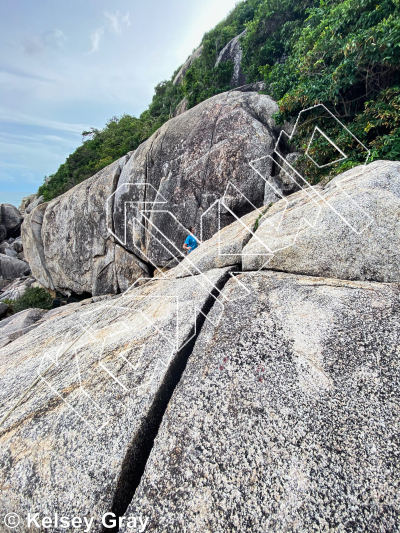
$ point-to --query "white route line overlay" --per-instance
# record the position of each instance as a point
(147, 209)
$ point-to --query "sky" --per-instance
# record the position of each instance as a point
(66, 66)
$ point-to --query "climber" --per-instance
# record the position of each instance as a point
(191, 241)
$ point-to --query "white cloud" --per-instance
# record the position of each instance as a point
(114, 21)
(117, 20)
(126, 19)
(41, 122)
(95, 38)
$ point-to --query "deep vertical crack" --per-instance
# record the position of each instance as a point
(139, 451)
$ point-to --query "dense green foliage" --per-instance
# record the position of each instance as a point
(33, 298)
(344, 54)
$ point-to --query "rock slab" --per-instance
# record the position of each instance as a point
(350, 229)
(20, 324)
(191, 162)
(74, 444)
(286, 418)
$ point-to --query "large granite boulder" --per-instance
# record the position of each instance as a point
(67, 243)
(189, 163)
(31, 232)
(350, 229)
(27, 200)
(10, 219)
(178, 80)
(113, 228)
(233, 52)
(11, 267)
(19, 324)
(76, 446)
(34, 203)
(286, 418)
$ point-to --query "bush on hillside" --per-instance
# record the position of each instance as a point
(33, 297)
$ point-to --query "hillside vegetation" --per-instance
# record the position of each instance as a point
(345, 55)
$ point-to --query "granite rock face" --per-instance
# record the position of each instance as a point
(170, 182)
(84, 262)
(26, 201)
(189, 163)
(10, 219)
(350, 229)
(67, 244)
(286, 416)
(15, 289)
(34, 203)
(223, 249)
(74, 446)
(186, 66)
(233, 52)
(19, 324)
(31, 231)
(11, 267)
(182, 107)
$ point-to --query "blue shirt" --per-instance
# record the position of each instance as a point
(191, 242)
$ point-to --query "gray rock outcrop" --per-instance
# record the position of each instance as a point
(34, 203)
(20, 324)
(286, 412)
(100, 402)
(349, 229)
(186, 66)
(67, 244)
(181, 107)
(10, 219)
(188, 164)
(16, 289)
(31, 232)
(286, 416)
(26, 201)
(233, 52)
(11, 267)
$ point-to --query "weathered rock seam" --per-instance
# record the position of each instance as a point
(138, 454)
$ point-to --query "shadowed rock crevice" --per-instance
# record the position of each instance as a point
(139, 451)
(114, 186)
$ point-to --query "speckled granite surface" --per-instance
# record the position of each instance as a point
(287, 417)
